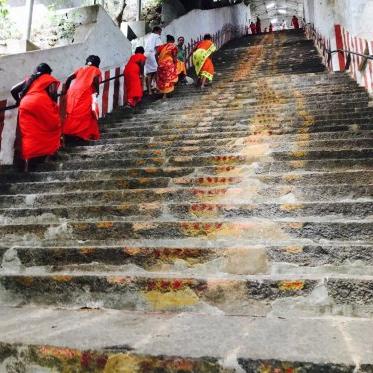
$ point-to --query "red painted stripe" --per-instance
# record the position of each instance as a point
(371, 64)
(105, 94)
(339, 42)
(116, 88)
(2, 117)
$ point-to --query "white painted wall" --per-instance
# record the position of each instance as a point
(355, 15)
(98, 35)
(198, 22)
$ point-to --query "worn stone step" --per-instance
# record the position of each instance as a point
(307, 139)
(225, 121)
(338, 165)
(254, 194)
(200, 128)
(172, 342)
(193, 115)
(257, 295)
(321, 129)
(281, 152)
(312, 228)
(110, 150)
(237, 258)
(187, 211)
(316, 154)
(209, 176)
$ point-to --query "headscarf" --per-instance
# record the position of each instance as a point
(40, 70)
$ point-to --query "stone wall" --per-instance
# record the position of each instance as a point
(355, 15)
(343, 25)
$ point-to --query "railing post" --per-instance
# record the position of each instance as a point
(29, 10)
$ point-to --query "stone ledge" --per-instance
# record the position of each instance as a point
(338, 344)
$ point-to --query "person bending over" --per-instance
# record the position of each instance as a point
(38, 118)
(81, 120)
(133, 77)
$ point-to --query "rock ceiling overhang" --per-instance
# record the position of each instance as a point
(272, 9)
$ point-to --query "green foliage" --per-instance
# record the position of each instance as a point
(3, 10)
(7, 28)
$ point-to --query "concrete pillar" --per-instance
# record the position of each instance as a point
(139, 6)
(28, 23)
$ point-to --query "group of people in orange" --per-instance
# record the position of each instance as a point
(42, 131)
(256, 28)
(163, 64)
(39, 120)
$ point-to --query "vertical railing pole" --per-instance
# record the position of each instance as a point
(28, 23)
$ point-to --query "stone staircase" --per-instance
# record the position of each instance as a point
(228, 230)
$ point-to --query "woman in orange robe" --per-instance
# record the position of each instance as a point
(133, 77)
(38, 117)
(202, 62)
(167, 75)
(81, 120)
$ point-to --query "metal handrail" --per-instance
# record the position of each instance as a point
(349, 58)
(190, 45)
(14, 106)
(365, 57)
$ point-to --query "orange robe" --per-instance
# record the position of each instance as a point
(39, 120)
(80, 120)
(207, 70)
(132, 73)
(167, 75)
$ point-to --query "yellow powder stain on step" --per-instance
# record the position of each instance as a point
(171, 300)
(151, 170)
(150, 206)
(261, 229)
(87, 250)
(299, 154)
(143, 226)
(297, 164)
(81, 226)
(105, 224)
(62, 278)
(25, 281)
(255, 152)
(290, 207)
(117, 280)
(291, 177)
(122, 363)
(294, 250)
(291, 285)
(303, 137)
(132, 250)
(122, 184)
(296, 225)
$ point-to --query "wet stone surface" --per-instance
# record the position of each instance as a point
(219, 231)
